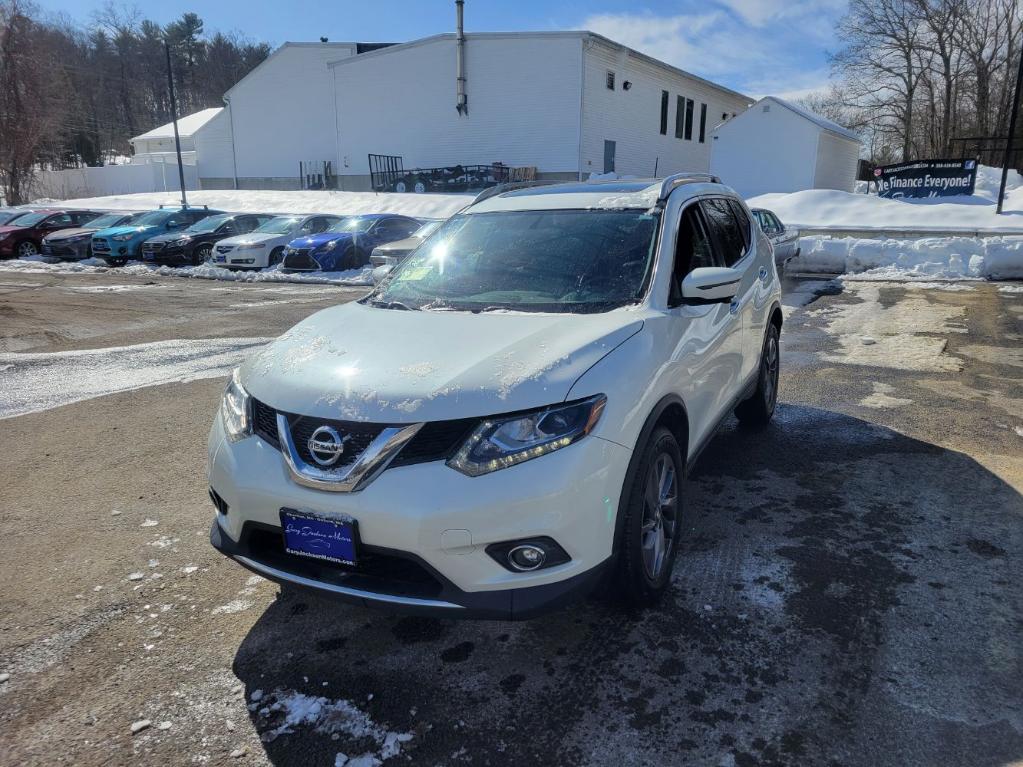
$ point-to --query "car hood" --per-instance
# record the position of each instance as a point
(318, 240)
(67, 234)
(171, 237)
(240, 239)
(399, 246)
(115, 230)
(8, 229)
(359, 363)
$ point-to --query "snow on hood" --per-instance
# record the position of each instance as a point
(354, 362)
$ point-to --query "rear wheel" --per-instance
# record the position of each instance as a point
(652, 527)
(27, 248)
(420, 186)
(759, 407)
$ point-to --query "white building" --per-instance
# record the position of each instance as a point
(776, 146)
(205, 143)
(566, 103)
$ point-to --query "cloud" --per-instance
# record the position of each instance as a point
(758, 47)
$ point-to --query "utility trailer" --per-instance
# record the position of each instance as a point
(388, 174)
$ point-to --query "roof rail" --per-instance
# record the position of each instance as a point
(511, 186)
(670, 183)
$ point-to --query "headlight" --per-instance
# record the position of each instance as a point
(122, 237)
(236, 409)
(331, 245)
(247, 245)
(498, 443)
(182, 241)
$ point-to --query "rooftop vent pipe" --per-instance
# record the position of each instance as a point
(462, 101)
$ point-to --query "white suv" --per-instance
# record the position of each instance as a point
(506, 420)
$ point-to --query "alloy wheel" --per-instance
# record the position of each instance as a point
(27, 248)
(660, 515)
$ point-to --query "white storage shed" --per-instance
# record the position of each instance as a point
(777, 146)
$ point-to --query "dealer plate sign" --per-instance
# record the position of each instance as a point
(926, 178)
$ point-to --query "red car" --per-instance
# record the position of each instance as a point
(24, 236)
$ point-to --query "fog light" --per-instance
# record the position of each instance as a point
(526, 557)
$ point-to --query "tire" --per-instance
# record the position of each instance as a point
(202, 254)
(401, 186)
(276, 256)
(420, 186)
(353, 258)
(653, 522)
(26, 248)
(759, 407)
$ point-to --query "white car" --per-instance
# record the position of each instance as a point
(264, 245)
(507, 419)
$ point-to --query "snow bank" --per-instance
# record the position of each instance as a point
(42, 265)
(831, 209)
(250, 201)
(926, 258)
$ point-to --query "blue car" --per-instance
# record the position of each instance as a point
(347, 244)
(119, 243)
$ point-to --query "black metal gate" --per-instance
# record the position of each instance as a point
(384, 171)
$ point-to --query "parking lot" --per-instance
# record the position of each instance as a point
(847, 591)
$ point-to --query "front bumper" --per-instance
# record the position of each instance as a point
(436, 518)
(176, 255)
(74, 250)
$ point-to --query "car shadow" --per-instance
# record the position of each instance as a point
(844, 594)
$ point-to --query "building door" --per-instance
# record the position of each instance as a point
(609, 156)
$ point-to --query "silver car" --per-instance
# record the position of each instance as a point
(784, 240)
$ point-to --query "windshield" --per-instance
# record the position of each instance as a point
(152, 218)
(352, 224)
(545, 261)
(30, 219)
(209, 224)
(278, 225)
(108, 220)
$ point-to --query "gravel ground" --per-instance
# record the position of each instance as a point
(848, 591)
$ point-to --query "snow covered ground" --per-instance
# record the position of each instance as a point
(44, 265)
(830, 209)
(250, 201)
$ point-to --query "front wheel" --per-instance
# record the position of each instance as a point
(27, 248)
(202, 254)
(276, 256)
(353, 258)
(653, 522)
(759, 407)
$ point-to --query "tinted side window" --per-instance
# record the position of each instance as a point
(725, 230)
(743, 221)
(692, 248)
(776, 222)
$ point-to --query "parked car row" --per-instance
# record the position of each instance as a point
(194, 235)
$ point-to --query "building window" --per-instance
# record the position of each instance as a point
(690, 105)
(664, 113)
(610, 80)
(703, 122)
(680, 112)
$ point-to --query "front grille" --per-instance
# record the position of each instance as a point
(300, 259)
(225, 248)
(59, 250)
(359, 436)
(264, 423)
(152, 247)
(436, 441)
(379, 571)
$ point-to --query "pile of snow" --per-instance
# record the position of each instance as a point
(831, 209)
(360, 277)
(250, 201)
(927, 258)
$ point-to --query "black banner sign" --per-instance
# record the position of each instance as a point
(926, 178)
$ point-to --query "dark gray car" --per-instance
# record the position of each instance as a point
(76, 244)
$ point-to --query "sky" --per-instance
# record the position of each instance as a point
(758, 47)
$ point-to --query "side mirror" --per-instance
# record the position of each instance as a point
(710, 284)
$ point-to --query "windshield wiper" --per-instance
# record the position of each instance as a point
(391, 305)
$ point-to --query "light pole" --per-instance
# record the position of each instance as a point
(174, 119)
(1012, 135)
